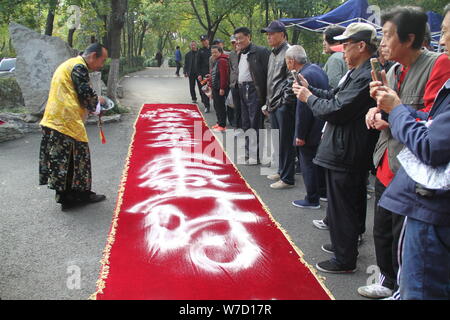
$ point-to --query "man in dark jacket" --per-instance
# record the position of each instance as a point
(252, 81)
(343, 149)
(308, 129)
(425, 265)
(190, 70)
(203, 55)
(281, 104)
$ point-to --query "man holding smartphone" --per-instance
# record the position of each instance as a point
(343, 149)
(416, 77)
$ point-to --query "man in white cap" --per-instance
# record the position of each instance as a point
(343, 149)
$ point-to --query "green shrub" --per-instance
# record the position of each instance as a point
(151, 63)
(172, 62)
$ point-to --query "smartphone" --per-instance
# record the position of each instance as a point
(376, 67)
(296, 77)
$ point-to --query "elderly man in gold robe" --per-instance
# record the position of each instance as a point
(64, 161)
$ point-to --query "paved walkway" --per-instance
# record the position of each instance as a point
(49, 254)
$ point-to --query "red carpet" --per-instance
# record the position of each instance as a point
(187, 226)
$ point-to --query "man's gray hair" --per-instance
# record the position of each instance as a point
(447, 9)
(297, 53)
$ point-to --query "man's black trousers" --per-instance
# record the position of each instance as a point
(283, 119)
(237, 107)
(192, 82)
(251, 116)
(313, 175)
(387, 227)
(346, 211)
(219, 106)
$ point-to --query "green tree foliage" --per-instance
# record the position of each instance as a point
(153, 25)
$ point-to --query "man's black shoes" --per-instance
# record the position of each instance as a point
(80, 199)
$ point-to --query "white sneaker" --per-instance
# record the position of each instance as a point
(319, 224)
(375, 291)
(281, 185)
(274, 177)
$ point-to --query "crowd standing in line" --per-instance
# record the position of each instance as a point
(340, 123)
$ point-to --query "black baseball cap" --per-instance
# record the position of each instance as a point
(274, 26)
(216, 41)
(203, 37)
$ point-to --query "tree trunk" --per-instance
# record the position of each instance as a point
(267, 12)
(295, 35)
(141, 40)
(117, 20)
(70, 37)
(50, 17)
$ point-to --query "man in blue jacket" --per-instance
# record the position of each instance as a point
(308, 129)
(425, 265)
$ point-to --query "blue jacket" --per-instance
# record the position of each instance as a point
(178, 56)
(308, 127)
(430, 145)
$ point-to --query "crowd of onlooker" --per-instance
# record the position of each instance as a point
(339, 124)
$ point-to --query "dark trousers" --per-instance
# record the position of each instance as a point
(192, 82)
(204, 97)
(237, 107)
(313, 175)
(230, 116)
(178, 63)
(251, 115)
(347, 204)
(283, 119)
(387, 227)
(219, 106)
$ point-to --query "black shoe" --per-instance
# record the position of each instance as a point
(331, 266)
(328, 248)
(67, 205)
(92, 197)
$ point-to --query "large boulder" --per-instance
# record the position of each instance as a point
(38, 56)
(10, 94)
(9, 131)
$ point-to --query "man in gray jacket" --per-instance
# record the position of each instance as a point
(335, 67)
(281, 105)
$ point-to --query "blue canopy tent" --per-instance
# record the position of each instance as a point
(355, 11)
(435, 22)
(349, 12)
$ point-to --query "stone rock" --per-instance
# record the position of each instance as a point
(31, 118)
(10, 93)
(19, 121)
(38, 56)
(9, 131)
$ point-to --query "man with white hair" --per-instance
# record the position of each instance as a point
(308, 129)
